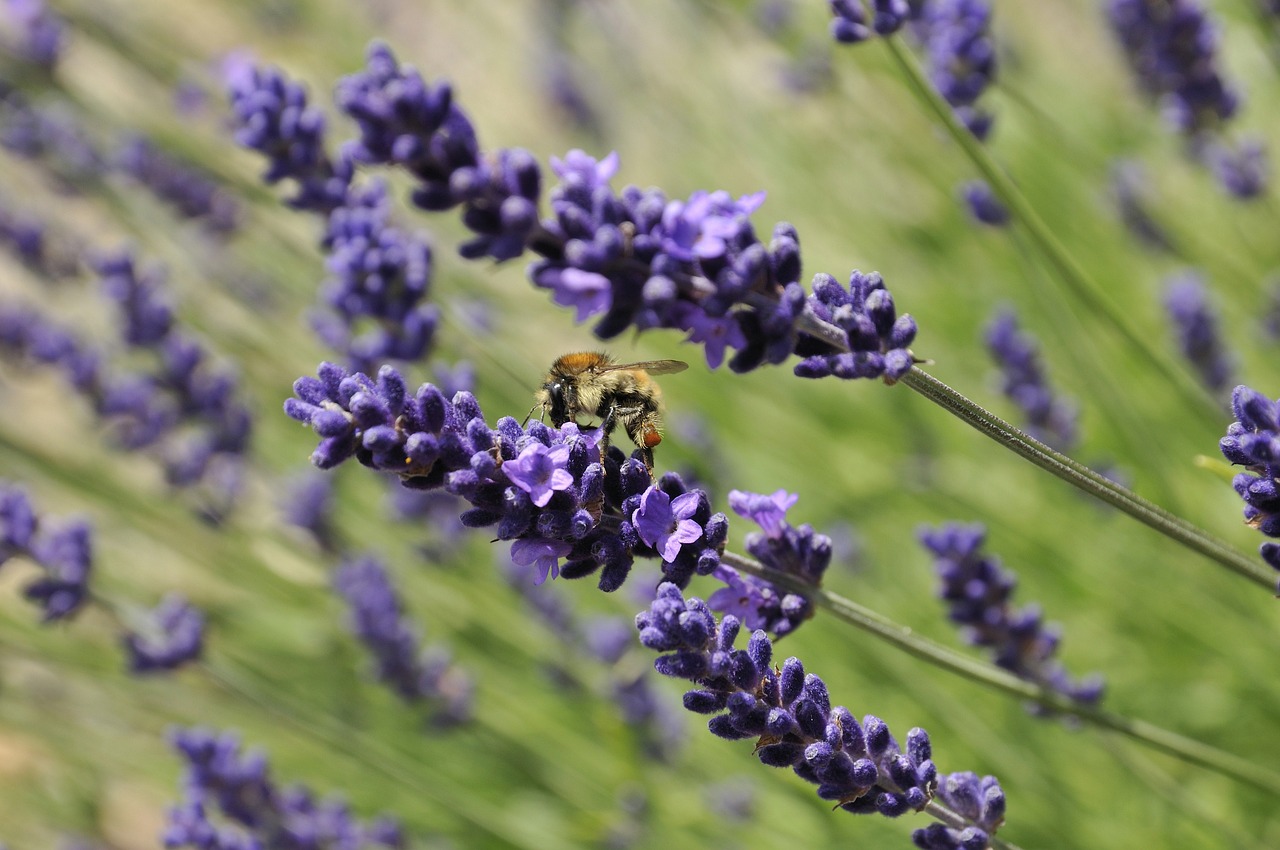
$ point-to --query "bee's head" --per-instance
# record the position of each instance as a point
(557, 399)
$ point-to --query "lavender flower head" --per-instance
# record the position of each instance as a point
(62, 550)
(41, 33)
(377, 618)
(859, 766)
(174, 636)
(512, 476)
(879, 340)
(230, 801)
(1050, 418)
(798, 552)
(977, 593)
(1196, 325)
(1253, 441)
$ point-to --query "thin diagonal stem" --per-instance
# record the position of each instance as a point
(1186, 749)
(1080, 476)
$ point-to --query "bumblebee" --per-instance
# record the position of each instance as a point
(591, 384)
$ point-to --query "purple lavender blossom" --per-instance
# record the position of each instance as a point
(308, 504)
(798, 552)
(540, 472)
(1127, 190)
(849, 21)
(1171, 48)
(1253, 441)
(192, 194)
(878, 338)
(62, 550)
(1196, 324)
(230, 802)
(377, 618)
(174, 637)
(273, 116)
(859, 766)
(42, 34)
(540, 553)
(960, 55)
(432, 443)
(977, 592)
(379, 276)
(667, 524)
(983, 204)
(52, 135)
(1050, 418)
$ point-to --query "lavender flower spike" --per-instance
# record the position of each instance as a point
(1253, 441)
(1199, 337)
(64, 553)
(1050, 419)
(175, 637)
(230, 801)
(859, 766)
(977, 593)
(511, 477)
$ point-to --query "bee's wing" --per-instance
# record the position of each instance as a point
(653, 367)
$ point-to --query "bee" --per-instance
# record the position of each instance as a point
(589, 384)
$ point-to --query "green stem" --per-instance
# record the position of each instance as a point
(1064, 265)
(1171, 743)
(1084, 478)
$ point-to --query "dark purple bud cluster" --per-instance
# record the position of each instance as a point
(41, 33)
(977, 591)
(174, 636)
(878, 338)
(24, 237)
(983, 204)
(859, 766)
(406, 121)
(1050, 419)
(549, 490)
(51, 135)
(209, 426)
(799, 552)
(230, 802)
(1171, 48)
(1253, 441)
(192, 194)
(1198, 334)
(980, 801)
(274, 118)
(849, 19)
(63, 551)
(961, 56)
(379, 276)
(377, 618)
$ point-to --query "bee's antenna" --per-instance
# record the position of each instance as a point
(530, 413)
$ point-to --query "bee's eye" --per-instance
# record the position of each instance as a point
(558, 411)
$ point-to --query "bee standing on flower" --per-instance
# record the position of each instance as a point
(589, 383)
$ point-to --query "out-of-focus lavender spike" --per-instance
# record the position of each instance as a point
(378, 619)
(977, 593)
(192, 194)
(41, 34)
(1128, 192)
(1198, 335)
(229, 800)
(983, 205)
(174, 637)
(63, 550)
(1050, 418)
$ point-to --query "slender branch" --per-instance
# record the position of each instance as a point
(1069, 272)
(1084, 478)
(1186, 749)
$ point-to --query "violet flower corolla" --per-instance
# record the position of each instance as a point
(798, 552)
(858, 766)
(1253, 441)
(229, 800)
(1049, 417)
(1171, 48)
(418, 676)
(62, 550)
(977, 592)
(173, 637)
(593, 524)
(1198, 335)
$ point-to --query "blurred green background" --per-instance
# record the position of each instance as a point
(692, 95)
